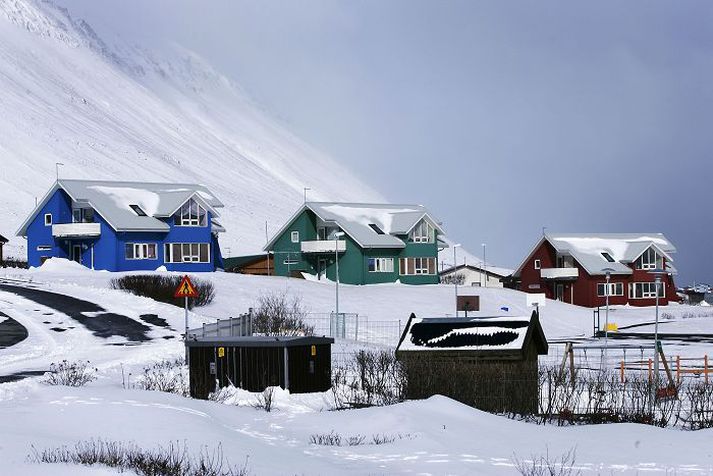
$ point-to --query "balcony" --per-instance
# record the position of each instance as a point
(76, 230)
(559, 273)
(324, 246)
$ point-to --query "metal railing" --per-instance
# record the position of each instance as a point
(355, 327)
(240, 326)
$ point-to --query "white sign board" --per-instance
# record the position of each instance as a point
(536, 299)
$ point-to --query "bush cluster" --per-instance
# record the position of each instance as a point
(71, 374)
(278, 315)
(166, 376)
(172, 460)
(370, 378)
(162, 288)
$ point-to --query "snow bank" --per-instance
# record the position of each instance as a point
(282, 400)
(62, 265)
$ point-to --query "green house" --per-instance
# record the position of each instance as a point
(373, 243)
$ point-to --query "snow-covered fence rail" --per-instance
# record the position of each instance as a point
(356, 327)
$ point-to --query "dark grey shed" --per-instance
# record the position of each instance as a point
(300, 364)
(488, 363)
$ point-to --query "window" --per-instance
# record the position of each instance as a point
(134, 251)
(44, 248)
(645, 290)
(410, 266)
(422, 233)
(83, 215)
(607, 257)
(295, 237)
(538, 264)
(381, 265)
(48, 219)
(137, 209)
(187, 253)
(615, 289)
(191, 214)
(650, 260)
(376, 228)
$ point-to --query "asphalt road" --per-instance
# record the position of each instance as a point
(11, 332)
(99, 321)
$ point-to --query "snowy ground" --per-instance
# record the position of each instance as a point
(439, 436)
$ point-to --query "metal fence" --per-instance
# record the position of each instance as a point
(356, 327)
(232, 327)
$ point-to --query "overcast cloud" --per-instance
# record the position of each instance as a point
(502, 117)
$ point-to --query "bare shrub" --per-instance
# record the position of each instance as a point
(265, 399)
(171, 460)
(71, 374)
(335, 439)
(162, 288)
(370, 378)
(545, 466)
(166, 376)
(700, 396)
(277, 315)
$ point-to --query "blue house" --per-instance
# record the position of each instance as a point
(126, 226)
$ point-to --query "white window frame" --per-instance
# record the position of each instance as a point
(190, 256)
(615, 289)
(381, 265)
(647, 264)
(48, 219)
(141, 251)
(538, 264)
(649, 293)
(417, 234)
(420, 266)
(192, 220)
(295, 236)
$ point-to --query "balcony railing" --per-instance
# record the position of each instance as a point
(559, 273)
(69, 230)
(324, 246)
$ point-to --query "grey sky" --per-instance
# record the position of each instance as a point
(502, 117)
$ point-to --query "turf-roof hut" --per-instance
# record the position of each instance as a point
(488, 363)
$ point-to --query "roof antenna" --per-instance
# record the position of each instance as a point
(56, 168)
(543, 231)
(305, 189)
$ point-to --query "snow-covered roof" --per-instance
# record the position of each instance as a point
(588, 249)
(480, 334)
(491, 270)
(113, 200)
(355, 219)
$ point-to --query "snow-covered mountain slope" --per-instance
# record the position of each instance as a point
(121, 111)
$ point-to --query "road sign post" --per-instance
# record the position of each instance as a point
(186, 290)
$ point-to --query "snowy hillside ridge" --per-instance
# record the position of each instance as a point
(117, 111)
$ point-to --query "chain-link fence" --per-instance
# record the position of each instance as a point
(356, 327)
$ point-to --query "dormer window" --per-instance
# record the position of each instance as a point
(607, 257)
(137, 209)
(422, 233)
(192, 214)
(376, 228)
(650, 259)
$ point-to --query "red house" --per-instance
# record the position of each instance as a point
(572, 267)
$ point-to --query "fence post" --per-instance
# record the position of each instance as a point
(356, 326)
(678, 369)
(621, 367)
(649, 370)
(705, 367)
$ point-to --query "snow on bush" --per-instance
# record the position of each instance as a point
(169, 376)
(370, 378)
(162, 288)
(71, 374)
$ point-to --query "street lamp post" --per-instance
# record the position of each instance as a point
(337, 235)
(455, 275)
(484, 269)
(658, 273)
(608, 272)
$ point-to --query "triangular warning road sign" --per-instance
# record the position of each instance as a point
(186, 289)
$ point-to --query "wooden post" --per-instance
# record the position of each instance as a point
(665, 366)
(564, 357)
(571, 364)
(649, 370)
(621, 371)
(705, 367)
(678, 369)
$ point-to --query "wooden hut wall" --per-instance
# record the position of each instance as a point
(310, 373)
